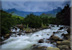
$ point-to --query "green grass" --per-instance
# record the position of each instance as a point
(17, 16)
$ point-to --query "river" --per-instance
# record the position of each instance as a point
(26, 41)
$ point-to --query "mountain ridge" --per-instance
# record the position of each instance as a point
(24, 14)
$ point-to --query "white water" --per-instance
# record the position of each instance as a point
(24, 42)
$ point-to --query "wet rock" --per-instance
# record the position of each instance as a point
(66, 42)
(28, 31)
(37, 35)
(40, 48)
(59, 42)
(15, 28)
(54, 32)
(20, 26)
(68, 30)
(34, 45)
(56, 38)
(7, 36)
(1, 43)
(47, 41)
(37, 29)
(61, 28)
(63, 47)
(1, 39)
(66, 36)
(41, 41)
(33, 30)
(51, 48)
(47, 34)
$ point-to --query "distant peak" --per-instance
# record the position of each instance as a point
(59, 8)
(13, 9)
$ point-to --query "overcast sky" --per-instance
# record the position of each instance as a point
(34, 5)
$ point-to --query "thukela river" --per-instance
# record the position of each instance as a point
(26, 41)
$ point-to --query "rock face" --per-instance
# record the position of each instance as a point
(51, 48)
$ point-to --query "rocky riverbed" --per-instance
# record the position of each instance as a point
(53, 38)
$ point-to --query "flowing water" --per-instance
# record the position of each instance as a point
(26, 41)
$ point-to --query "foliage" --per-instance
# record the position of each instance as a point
(43, 26)
(7, 21)
(64, 16)
(33, 21)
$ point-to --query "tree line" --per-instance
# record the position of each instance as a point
(8, 20)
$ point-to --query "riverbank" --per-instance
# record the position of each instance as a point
(50, 38)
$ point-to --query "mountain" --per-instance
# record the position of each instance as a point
(23, 14)
(54, 11)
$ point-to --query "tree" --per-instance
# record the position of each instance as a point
(64, 16)
(33, 21)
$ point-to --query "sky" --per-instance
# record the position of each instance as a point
(34, 5)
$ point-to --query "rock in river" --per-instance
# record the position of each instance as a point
(41, 41)
(51, 48)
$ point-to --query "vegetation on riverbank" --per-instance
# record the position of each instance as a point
(33, 21)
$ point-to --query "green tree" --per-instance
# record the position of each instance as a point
(64, 16)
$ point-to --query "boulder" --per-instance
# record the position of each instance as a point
(39, 48)
(63, 47)
(61, 28)
(51, 48)
(56, 38)
(66, 42)
(28, 30)
(7, 36)
(20, 26)
(34, 30)
(59, 42)
(41, 41)
(66, 36)
(42, 47)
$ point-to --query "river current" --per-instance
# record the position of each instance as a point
(26, 41)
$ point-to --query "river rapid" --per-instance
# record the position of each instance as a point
(26, 41)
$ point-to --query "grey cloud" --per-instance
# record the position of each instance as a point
(33, 6)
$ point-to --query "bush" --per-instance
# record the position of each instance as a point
(64, 16)
(33, 21)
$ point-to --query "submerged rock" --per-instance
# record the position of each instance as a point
(41, 41)
(51, 48)
(61, 28)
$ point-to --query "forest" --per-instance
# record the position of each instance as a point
(8, 20)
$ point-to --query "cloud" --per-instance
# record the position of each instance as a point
(33, 6)
(36, 0)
